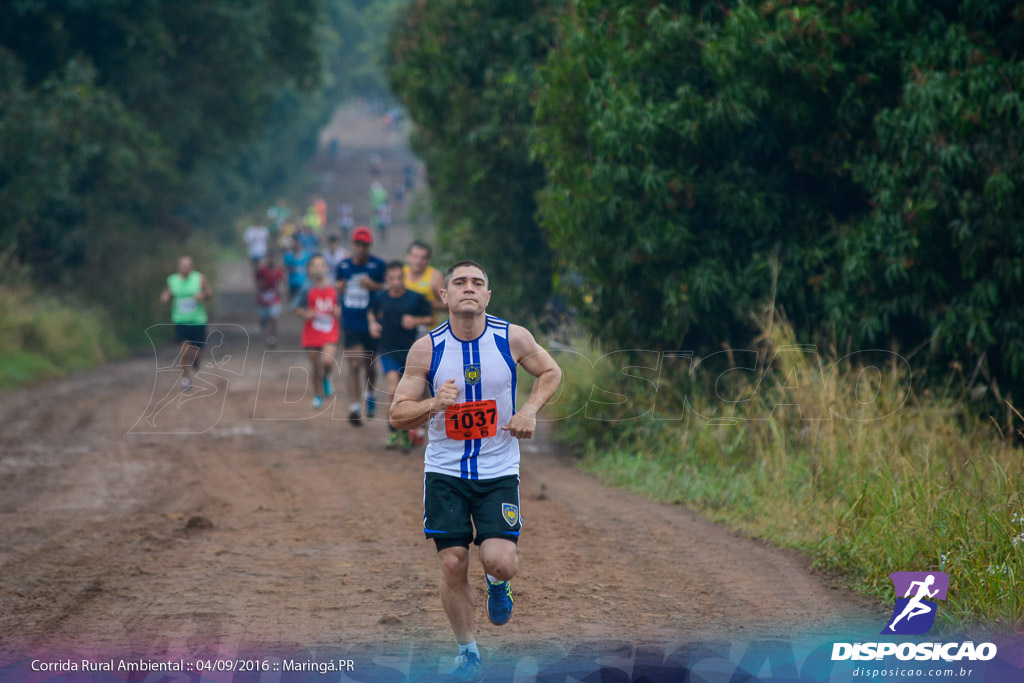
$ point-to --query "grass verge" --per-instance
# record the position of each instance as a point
(839, 458)
(42, 337)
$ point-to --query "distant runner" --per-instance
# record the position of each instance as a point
(471, 464)
(187, 291)
(384, 220)
(256, 237)
(295, 261)
(378, 195)
(334, 254)
(317, 304)
(393, 317)
(278, 215)
(269, 278)
(357, 277)
(346, 220)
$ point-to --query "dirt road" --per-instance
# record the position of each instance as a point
(315, 539)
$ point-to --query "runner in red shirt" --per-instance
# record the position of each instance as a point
(269, 276)
(317, 304)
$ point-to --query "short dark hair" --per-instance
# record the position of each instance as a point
(394, 264)
(420, 244)
(460, 264)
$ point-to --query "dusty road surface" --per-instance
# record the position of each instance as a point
(237, 519)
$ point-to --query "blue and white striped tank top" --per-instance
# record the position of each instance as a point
(483, 369)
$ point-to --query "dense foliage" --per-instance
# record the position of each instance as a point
(127, 126)
(938, 257)
(465, 70)
(855, 164)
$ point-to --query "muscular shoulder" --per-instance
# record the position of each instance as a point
(521, 342)
(419, 355)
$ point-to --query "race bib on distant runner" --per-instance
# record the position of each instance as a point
(268, 297)
(471, 420)
(187, 304)
(323, 322)
(355, 295)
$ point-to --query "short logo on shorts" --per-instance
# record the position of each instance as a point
(510, 512)
(472, 374)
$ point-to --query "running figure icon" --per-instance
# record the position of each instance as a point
(916, 607)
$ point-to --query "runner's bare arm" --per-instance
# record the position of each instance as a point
(299, 309)
(206, 292)
(165, 296)
(411, 321)
(539, 363)
(408, 408)
(375, 327)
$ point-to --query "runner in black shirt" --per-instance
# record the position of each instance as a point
(393, 316)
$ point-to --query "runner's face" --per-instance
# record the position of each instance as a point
(418, 260)
(317, 269)
(360, 250)
(395, 281)
(467, 291)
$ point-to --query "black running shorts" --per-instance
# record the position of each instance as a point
(453, 506)
(193, 334)
(359, 338)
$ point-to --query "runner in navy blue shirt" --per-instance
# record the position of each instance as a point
(357, 277)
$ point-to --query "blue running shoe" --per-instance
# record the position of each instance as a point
(317, 402)
(499, 602)
(328, 388)
(371, 405)
(467, 667)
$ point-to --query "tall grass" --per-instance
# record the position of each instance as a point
(43, 337)
(836, 457)
(49, 330)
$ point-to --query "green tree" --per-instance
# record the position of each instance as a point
(466, 71)
(126, 126)
(855, 164)
(939, 260)
(698, 159)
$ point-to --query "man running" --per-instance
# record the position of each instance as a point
(356, 277)
(317, 304)
(269, 276)
(472, 459)
(346, 220)
(393, 317)
(334, 254)
(278, 214)
(423, 278)
(188, 290)
(378, 196)
(384, 220)
(256, 237)
(295, 261)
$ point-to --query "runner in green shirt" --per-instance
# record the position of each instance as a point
(187, 291)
